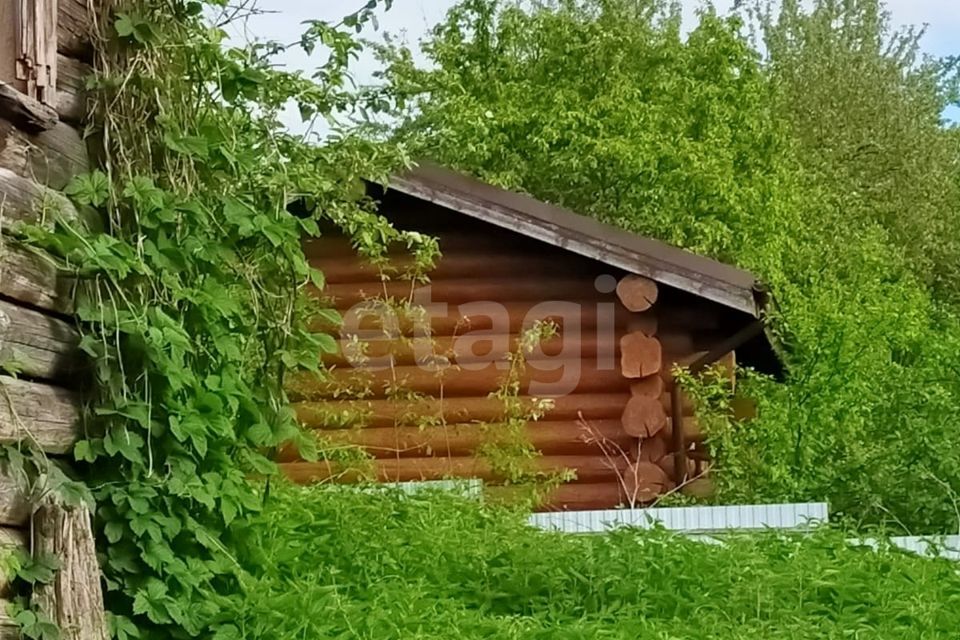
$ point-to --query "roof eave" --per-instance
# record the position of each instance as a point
(742, 295)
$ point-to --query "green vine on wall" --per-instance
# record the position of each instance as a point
(192, 304)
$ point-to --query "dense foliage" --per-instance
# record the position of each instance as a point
(345, 564)
(191, 303)
(192, 309)
(812, 154)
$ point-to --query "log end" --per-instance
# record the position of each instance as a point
(637, 293)
(651, 449)
(643, 417)
(640, 355)
(645, 482)
(667, 464)
(651, 386)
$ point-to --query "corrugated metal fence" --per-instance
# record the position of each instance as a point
(697, 521)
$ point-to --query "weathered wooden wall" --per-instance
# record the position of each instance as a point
(41, 148)
(609, 377)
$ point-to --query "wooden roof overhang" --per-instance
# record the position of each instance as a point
(720, 283)
(715, 281)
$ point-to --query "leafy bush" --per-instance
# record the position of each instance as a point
(192, 311)
(815, 158)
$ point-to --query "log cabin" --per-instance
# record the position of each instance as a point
(422, 394)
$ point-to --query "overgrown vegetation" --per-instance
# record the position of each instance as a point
(341, 564)
(192, 304)
(193, 310)
(811, 153)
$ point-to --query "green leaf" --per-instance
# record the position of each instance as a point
(89, 189)
(122, 627)
(326, 343)
(123, 25)
(38, 569)
(25, 617)
(113, 531)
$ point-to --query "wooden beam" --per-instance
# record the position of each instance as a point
(30, 278)
(588, 344)
(74, 599)
(652, 449)
(643, 417)
(640, 356)
(645, 482)
(492, 263)
(23, 200)
(9, 630)
(587, 468)
(74, 29)
(25, 112)
(677, 440)
(51, 157)
(456, 319)
(72, 77)
(552, 378)
(45, 415)
(652, 386)
(11, 540)
(38, 345)
(14, 502)
(569, 437)
(37, 49)
(387, 413)
(468, 290)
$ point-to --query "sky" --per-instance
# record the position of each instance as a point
(281, 20)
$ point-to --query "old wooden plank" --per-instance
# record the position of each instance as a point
(36, 344)
(25, 112)
(72, 77)
(47, 51)
(74, 599)
(11, 541)
(8, 628)
(74, 28)
(35, 280)
(8, 41)
(37, 49)
(14, 500)
(23, 200)
(50, 157)
(46, 415)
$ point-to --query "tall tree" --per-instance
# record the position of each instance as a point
(814, 155)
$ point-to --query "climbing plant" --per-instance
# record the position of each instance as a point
(193, 297)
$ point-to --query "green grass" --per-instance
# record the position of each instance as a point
(335, 563)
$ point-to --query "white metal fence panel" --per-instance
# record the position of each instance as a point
(931, 546)
(687, 519)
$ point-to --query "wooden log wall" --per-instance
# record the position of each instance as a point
(42, 147)
(413, 390)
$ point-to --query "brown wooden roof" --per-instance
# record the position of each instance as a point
(721, 283)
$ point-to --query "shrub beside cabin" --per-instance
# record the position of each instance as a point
(418, 382)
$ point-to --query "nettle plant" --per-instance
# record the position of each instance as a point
(191, 296)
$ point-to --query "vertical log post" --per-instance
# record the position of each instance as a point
(676, 407)
(74, 600)
(679, 446)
